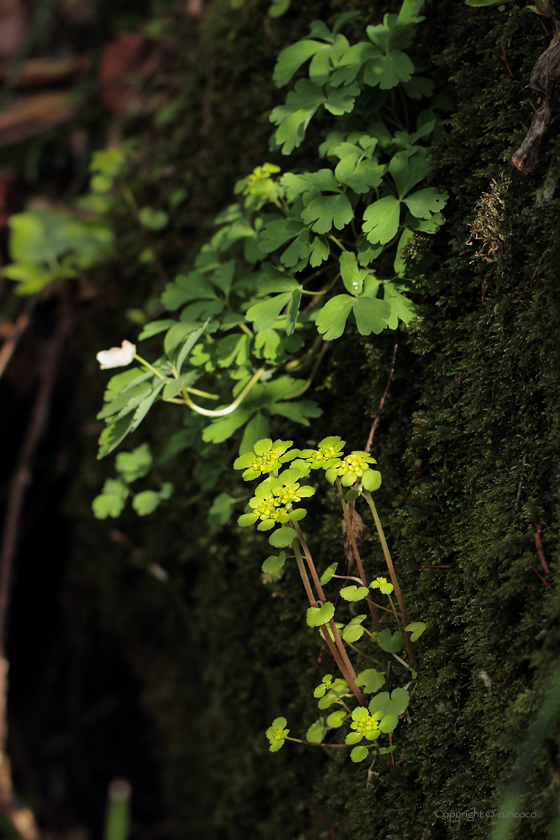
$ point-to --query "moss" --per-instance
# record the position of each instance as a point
(469, 449)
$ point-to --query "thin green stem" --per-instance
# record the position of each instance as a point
(337, 241)
(365, 655)
(406, 665)
(203, 394)
(383, 762)
(311, 744)
(395, 612)
(392, 573)
(350, 532)
(303, 572)
(149, 366)
(313, 601)
(246, 330)
(310, 563)
(303, 361)
(222, 412)
(309, 380)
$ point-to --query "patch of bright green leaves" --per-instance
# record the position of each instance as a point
(131, 466)
(301, 252)
(49, 246)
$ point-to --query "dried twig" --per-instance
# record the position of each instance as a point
(9, 346)
(408, 491)
(382, 402)
(546, 73)
(539, 545)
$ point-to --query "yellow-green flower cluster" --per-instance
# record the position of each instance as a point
(266, 457)
(273, 501)
(365, 725)
(326, 455)
(353, 467)
(277, 734)
(383, 585)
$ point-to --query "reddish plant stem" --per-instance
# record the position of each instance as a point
(382, 402)
(313, 601)
(392, 573)
(351, 674)
(443, 566)
(350, 532)
(539, 545)
(411, 485)
(538, 574)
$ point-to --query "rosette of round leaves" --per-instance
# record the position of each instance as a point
(277, 734)
(353, 467)
(266, 457)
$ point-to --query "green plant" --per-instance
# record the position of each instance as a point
(276, 506)
(302, 257)
(51, 245)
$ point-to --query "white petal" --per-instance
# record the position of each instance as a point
(117, 356)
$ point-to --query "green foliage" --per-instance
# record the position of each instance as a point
(390, 704)
(541, 7)
(354, 631)
(111, 500)
(277, 734)
(221, 510)
(148, 500)
(371, 680)
(48, 246)
(328, 573)
(317, 731)
(281, 472)
(390, 642)
(415, 629)
(135, 464)
(354, 593)
(317, 616)
(274, 563)
(242, 322)
(131, 466)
